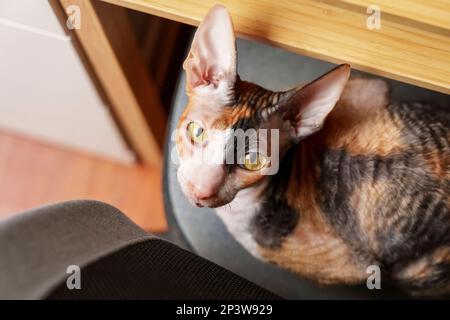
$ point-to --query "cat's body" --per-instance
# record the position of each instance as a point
(371, 188)
(361, 180)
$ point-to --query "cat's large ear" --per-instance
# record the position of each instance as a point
(211, 63)
(306, 108)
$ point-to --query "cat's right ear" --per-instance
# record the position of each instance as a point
(211, 63)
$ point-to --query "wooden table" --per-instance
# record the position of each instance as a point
(413, 44)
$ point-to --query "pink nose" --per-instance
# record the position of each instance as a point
(202, 195)
(203, 181)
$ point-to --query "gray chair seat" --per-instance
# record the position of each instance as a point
(37, 246)
(203, 231)
(115, 259)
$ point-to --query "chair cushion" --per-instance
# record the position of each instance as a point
(157, 269)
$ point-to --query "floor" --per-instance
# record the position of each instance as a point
(33, 173)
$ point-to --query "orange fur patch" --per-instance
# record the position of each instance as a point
(231, 115)
(438, 164)
(423, 268)
(365, 202)
(313, 249)
(371, 134)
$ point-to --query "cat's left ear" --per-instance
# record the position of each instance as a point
(211, 63)
(306, 108)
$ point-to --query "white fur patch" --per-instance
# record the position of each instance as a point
(237, 216)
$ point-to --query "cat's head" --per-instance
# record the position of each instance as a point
(213, 167)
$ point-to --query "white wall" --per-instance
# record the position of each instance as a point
(45, 90)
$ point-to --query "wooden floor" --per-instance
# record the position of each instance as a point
(33, 173)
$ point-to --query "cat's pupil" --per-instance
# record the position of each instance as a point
(198, 132)
(253, 158)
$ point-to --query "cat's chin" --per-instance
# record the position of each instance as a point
(218, 205)
(210, 203)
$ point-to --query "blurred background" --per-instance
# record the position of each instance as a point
(61, 134)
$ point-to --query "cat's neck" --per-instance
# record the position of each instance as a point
(246, 201)
(239, 215)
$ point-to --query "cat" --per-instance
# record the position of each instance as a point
(360, 180)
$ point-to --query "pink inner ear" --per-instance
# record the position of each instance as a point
(310, 105)
(195, 73)
(212, 57)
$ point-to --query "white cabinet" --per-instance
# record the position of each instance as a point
(45, 90)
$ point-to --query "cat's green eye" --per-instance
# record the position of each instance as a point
(254, 161)
(196, 133)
